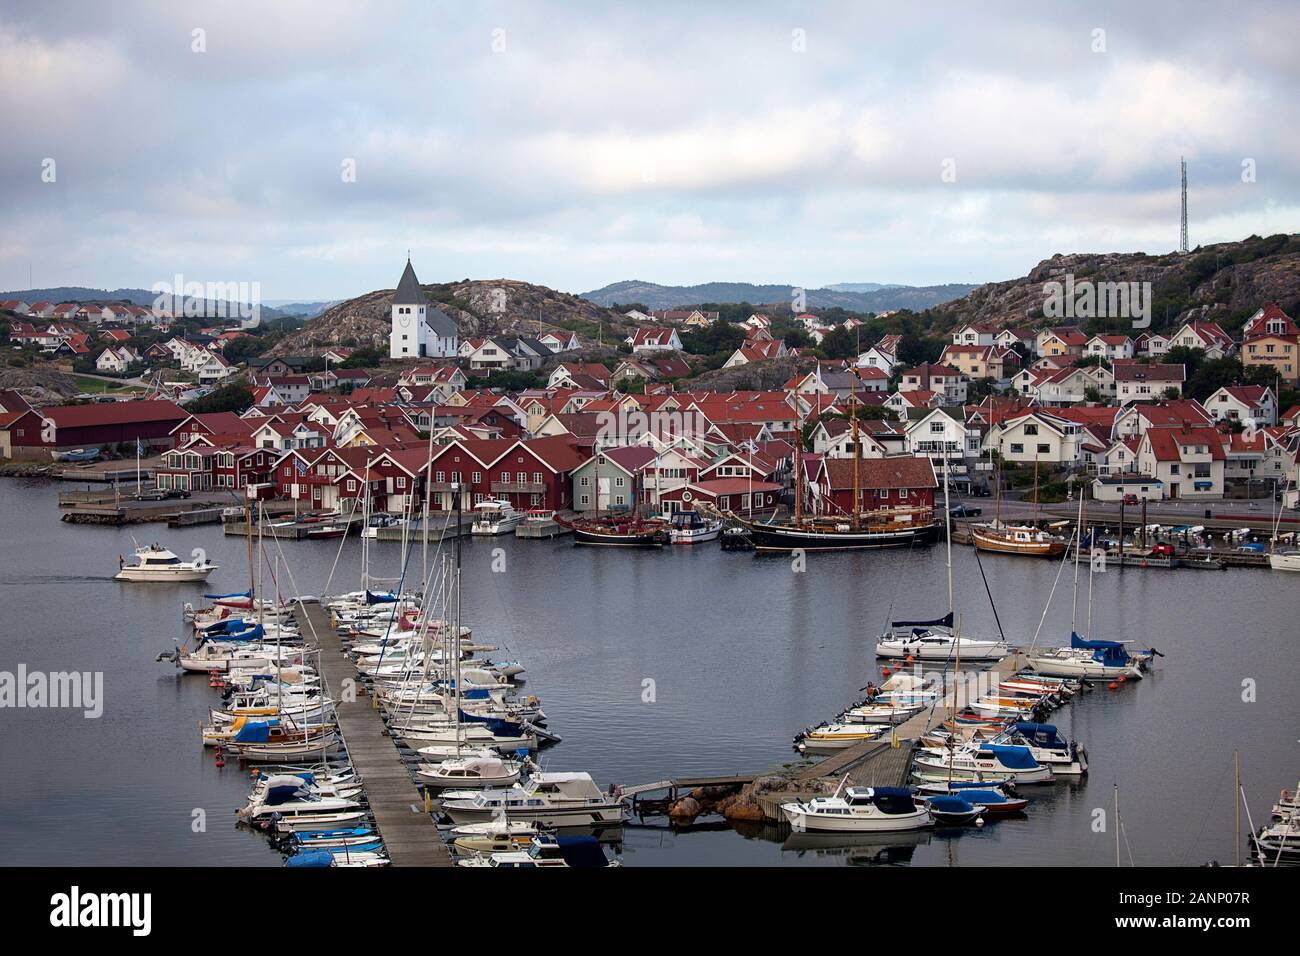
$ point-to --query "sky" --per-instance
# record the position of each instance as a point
(306, 146)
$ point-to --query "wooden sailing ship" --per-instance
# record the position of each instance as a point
(618, 530)
(858, 530)
(1027, 540)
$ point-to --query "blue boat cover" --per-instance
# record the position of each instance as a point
(1103, 652)
(581, 851)
(1012, 757)
(219, 597)
(373, 598)
(951, 803)
(1043, 735)
(984, 797)
(945, 621)
(256, 732)
(311, 858)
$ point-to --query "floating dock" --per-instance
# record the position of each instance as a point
(541, 529)
(408, 832)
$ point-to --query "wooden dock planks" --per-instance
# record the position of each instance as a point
(408, 832)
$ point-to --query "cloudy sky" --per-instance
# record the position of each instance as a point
(576, 145)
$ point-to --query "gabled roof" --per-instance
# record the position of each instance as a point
(875, 474)
(408, 290)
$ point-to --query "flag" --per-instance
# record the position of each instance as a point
(139, 448)
(300, 465)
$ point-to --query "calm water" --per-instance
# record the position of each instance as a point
(743, 653)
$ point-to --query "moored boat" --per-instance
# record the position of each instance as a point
(155, 563)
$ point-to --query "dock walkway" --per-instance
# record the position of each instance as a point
(409, 833)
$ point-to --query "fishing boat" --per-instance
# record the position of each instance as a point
(550, 799)
(495, 516)
(155, 563)
(1024, 540)
(691, 527)
(617, 531)
(1027, 540)
(859, 810)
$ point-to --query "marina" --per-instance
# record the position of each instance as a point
(817, 637)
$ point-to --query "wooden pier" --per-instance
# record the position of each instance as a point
(407, 830)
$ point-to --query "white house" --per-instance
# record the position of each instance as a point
(1207, 336)
(1253, 405)
(563, 341)
(1188, 461)
(1109, 347)
(419, 329)
(1036, 436)
(1137, 382)
(654, 338)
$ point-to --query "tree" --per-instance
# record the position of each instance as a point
(233, 397)
(840, 343)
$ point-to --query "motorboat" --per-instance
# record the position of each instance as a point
(1279, 841)
(550, 799)
(493, 836)
(1063, 757)
(886, 713)
(836, 736)
(859, 810)
(495, 516)
(991, 797)
(155, 563)
(469, 772)
(549, 851)
(691, 527)
(982, 763)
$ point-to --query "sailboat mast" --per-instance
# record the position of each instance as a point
(248, 522)
(947, 527)
(1035, 488)
(857, 448)
(1078, 547)
(798, 463)
(1236, 803)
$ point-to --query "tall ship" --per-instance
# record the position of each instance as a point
(618, 529)
(857, 529)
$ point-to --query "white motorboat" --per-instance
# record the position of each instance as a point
(859, 810)
(155, 563)
(1288, 560)
(984, 762)
(548, 851)
(691, 527)
(469, 772)
(882, 713)
(494, 517)
(493, 837)
(1063, 757)
(550, 799)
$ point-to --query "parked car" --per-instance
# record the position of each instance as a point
(178, 493)
(1130, 499)
(964, 511)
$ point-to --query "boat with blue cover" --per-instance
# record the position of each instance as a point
(953, 809)
(1086, 660)
(984, 762)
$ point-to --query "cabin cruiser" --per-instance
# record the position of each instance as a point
(156, 563)
(983, 763)
(493, 836)
(550, 799)
(691, 527)
(859, 810)
(291, 796)
(1279, 841)
(1063, 757)
(549, 851)
(495, 517)
(469, 772)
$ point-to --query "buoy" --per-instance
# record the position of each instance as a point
(910, 659)
(885, 671)
(1114, 686)
(1123, 679)
(221, 758)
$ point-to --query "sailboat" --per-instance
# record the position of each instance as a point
(615, 530)
(934, 640)
(879, 528)
(1026, 540)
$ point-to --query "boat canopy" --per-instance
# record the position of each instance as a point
(985, 796)
(581, 851)
(945, 621)
(374, 598)
(1042, 735)
(255, 732)
(1104, 652)
(311, 858)
(237, 594)
(1011, 757)
(951, 803)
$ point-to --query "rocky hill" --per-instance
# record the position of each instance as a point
(855, 297)
(41, 385)
(1226, 283)
(480, 306)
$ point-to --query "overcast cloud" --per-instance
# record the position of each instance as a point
(676, 143)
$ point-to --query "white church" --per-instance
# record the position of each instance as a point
(420, 330)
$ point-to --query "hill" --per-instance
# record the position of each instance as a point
(141, 297)
(481, 307)
(1224, 283)
(854, 297)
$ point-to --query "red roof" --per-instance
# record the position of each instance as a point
(116, 413)
(904, 471)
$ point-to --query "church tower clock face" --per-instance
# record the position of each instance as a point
(404, 320)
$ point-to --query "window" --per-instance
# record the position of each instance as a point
(1017, 448)
(1044, 449)
(584, 499)
(537, 477)
(476, 476)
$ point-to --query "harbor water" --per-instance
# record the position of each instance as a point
(650, 665)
